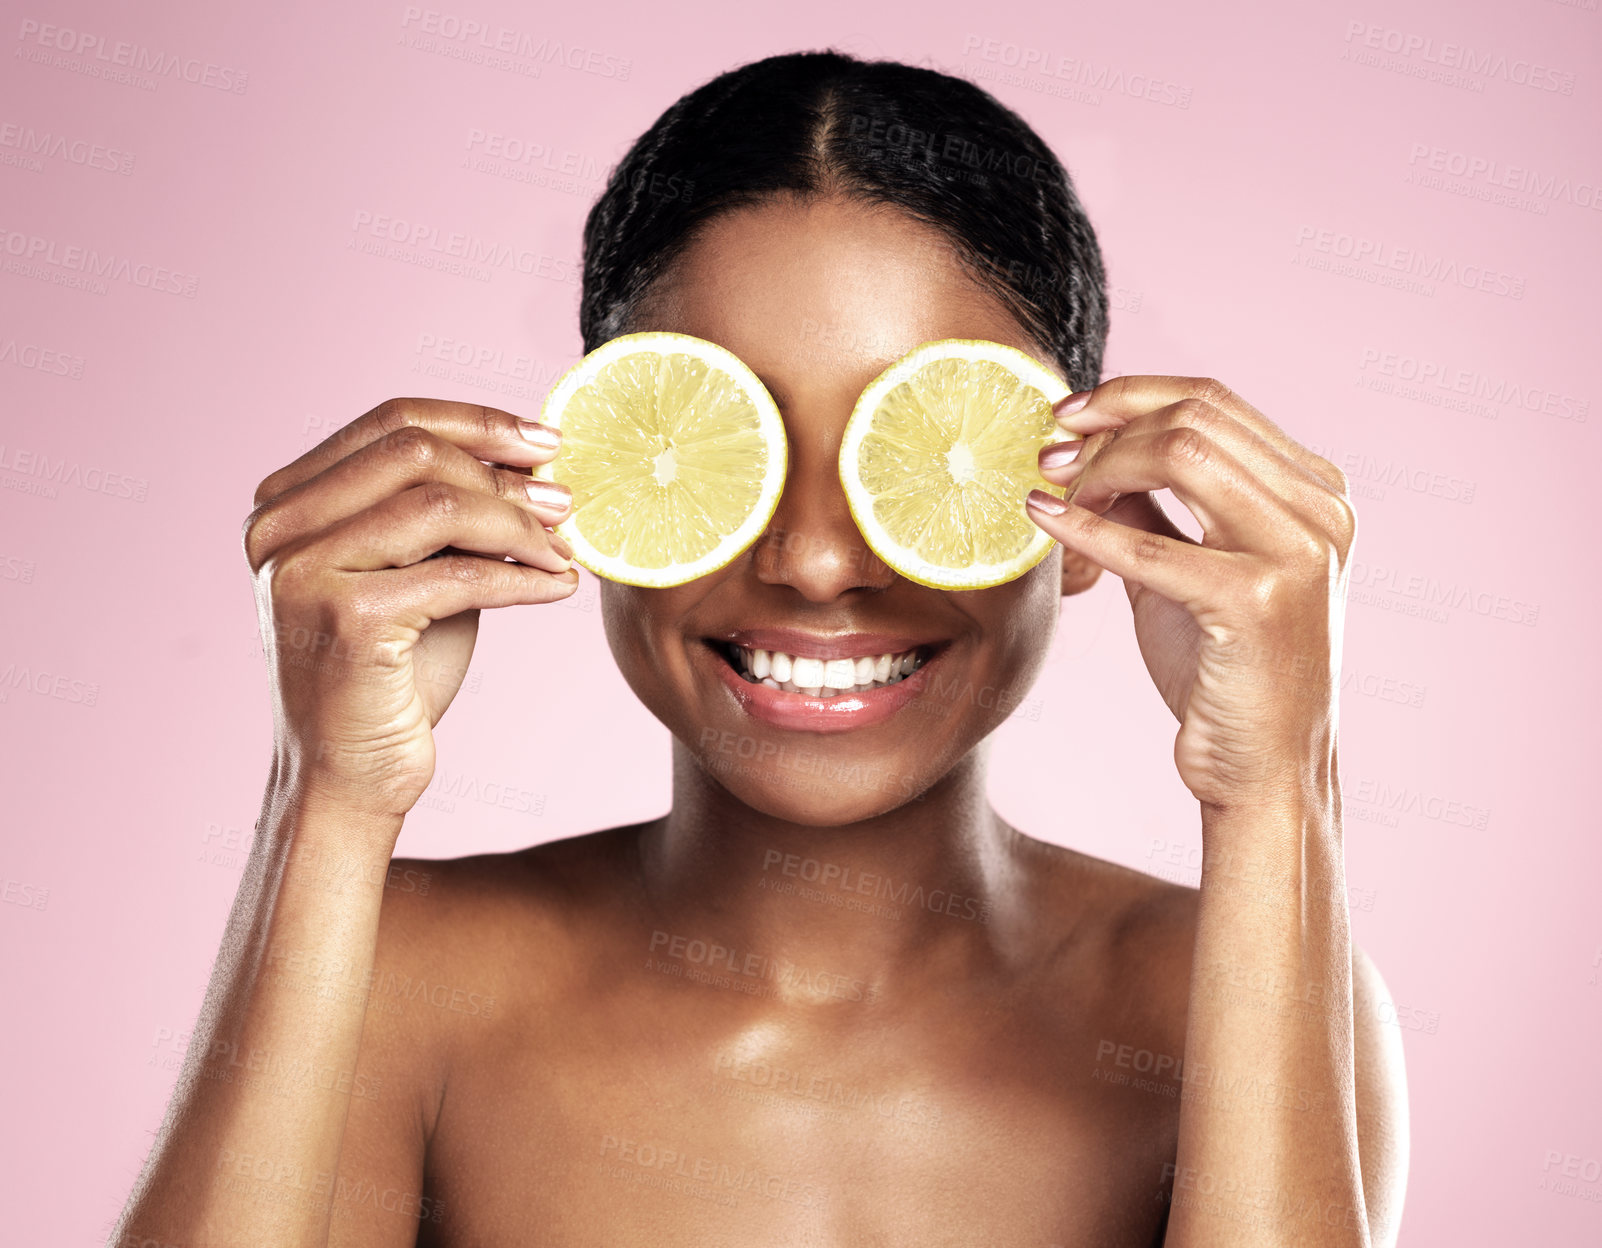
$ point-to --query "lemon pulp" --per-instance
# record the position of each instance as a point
(938, 456)
(675, 454)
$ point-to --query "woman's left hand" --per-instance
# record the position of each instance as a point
(1242, 631)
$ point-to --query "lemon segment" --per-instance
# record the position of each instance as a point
(938, 455)
(675, 453)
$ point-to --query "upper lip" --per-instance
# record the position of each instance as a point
(805, 645)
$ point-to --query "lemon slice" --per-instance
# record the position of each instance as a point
(939, 454)
(675, 453)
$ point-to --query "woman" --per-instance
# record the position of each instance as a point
(830, 997)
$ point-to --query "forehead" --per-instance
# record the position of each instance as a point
(822, 295)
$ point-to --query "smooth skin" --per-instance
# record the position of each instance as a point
(833, 999)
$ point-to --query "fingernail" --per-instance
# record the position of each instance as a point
(1074, 402)
(1059, 455)
(1048, 503)
(549, 494)
(540, 435)
(559, 544)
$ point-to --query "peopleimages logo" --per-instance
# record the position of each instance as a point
(99, 57)
(32, 147)
(1499, 175)
(1434, 595)
(1448, 57)
(25, 253)
(1431, 377)
(482, 37)
(430, 246)
(1081, 73)
(1412, 262)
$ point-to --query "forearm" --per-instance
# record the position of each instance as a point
(1268, 1129)
(253, 1132)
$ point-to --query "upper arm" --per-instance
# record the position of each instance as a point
(1381, 1089)
(377, 1195)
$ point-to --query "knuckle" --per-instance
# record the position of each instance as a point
(286, 576)
(506, 485)
(1210, 390)
(1345, 522)
(439, 500)
(393, 415)
(490, 425)
(468, 568)
(1198, 414)
(256, 535)
(1185, 444)
(1330, 474)
(267, 490)
(1149, 548)
(414, 444)
(1314, 550)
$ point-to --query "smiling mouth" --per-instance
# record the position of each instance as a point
(822, 678)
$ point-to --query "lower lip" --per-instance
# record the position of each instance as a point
(843, 713)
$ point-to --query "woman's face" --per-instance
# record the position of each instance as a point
(818, 298)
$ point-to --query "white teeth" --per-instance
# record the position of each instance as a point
(807, 672)
(823, 677)
(839, 674)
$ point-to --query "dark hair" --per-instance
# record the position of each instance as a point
(937, 147)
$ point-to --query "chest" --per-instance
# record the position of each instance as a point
(668, 1130)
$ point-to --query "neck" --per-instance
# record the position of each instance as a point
(912, 893)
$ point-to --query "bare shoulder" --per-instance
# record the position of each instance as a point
(465, 942)
(480, 915)
(1115, 909)
(462, 945)
(1137, 935)
(1122, 943)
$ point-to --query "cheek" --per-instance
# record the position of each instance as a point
(1024, 622)
(627, 618)
(643, 631)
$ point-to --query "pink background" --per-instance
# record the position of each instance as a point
(1212, 145)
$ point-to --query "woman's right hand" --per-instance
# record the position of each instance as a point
(372, 555)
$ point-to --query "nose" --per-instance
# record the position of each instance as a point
(812, 544)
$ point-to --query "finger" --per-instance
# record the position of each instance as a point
(485, 432)
(1235, 509)
(408, 527)
(1143, 511)
(437, 589)
(1183, 572)
(1299, 488)
(396, 461)
(1119, 400)
(1140, 510)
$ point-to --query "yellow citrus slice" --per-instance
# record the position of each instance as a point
(675, 453)
(938, 456)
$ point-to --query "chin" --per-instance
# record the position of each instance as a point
(802, 784)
